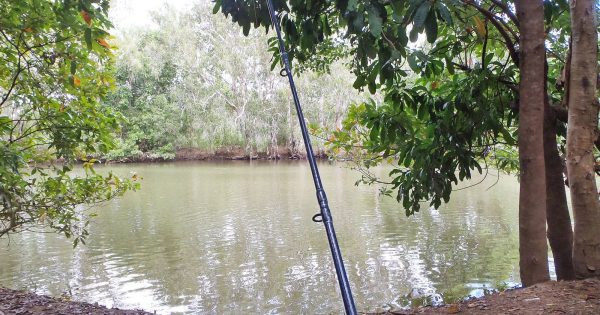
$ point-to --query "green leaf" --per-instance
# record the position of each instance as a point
(431, 27)
(411, 10)
(412, 63)
(449, 66)
(421, 15)
(414, 35)
(372, 87)
(402, 38)
(275, 62)
(488, 58)
(358, 22)
(359, 82)
(375, 21)
(352, 5)
(421, 112)
(442, 9)
(508, 138)
(246, 29)
(216, 7)
(88, 37)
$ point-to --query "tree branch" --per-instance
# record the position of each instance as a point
(484, 49)
(506, 11)
(493, 19)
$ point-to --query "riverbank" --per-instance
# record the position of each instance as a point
(227, 153)
(564, 297)
(26, 303)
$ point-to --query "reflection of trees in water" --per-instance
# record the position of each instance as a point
(216, 237)
(467, 244)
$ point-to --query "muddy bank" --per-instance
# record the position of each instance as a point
(564, 297)
(229, 153)
(571, 297)
(25, 303)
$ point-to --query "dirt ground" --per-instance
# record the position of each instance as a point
(564, 297)
(571, 297)
(24, 303)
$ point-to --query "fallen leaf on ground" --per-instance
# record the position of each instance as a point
(453, 309)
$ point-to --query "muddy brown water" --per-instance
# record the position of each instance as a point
(236, 237)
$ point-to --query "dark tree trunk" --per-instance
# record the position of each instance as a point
(533, 247)
(581, 133)
(560, 233)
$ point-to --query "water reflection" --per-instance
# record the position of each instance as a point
(231, 237)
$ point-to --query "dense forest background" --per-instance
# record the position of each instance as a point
(192, 85)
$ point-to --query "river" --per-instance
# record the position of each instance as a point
(237, 237)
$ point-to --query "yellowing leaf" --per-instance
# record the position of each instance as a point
(28, 30)
(86, 17)
(76, 81)
(453, 309)
(479, 26)
(103, 43)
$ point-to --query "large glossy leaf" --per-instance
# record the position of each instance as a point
(421, 15)
(375, 21)
(431, 27)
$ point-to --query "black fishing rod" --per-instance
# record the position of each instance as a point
(325, 214)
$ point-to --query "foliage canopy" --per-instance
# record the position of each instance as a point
(55, 70)
(448, 72)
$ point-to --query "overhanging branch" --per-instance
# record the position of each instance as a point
(500, 27)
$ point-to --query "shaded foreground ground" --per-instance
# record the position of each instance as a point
(564, 297)
(572, 297)
(25, 303)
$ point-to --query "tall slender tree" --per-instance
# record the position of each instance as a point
(582, 131)
(560, 232)
(533, 249)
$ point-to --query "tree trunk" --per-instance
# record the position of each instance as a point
(560, 233)
(533, 247)
(581, 133)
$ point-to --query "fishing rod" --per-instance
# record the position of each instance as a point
(325, 214)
